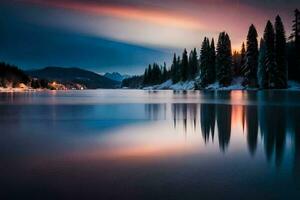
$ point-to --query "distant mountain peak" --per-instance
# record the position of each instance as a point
(116, 76)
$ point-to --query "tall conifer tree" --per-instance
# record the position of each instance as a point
(184, 66)
(212, 60)
(205, 63)
(250, 69)
(262, 69)
(224, 60)
(270, 63)
(280, 54)
(193, 64)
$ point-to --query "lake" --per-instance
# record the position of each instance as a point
(134, 144)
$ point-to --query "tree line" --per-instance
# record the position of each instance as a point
(267, 64)
(12, 76)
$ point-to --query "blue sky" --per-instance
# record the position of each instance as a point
(123, 35)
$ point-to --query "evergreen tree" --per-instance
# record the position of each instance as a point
(224, 60)
(147, 75)
(193, 64)
(236, 57)
(262, 69)
(280, 54)
(296, 29)
(190, 76)
(175, 70)
(250, 69)
(165, 76)
(184, 66)
(205, 63)
(243, 57)
(212, 60)
(270, 63)
(294, 49)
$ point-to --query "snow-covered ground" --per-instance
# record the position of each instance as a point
(168, 85)
(236, 85)
(293, 85)
(190, 85)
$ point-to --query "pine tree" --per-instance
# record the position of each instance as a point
(175, 70)
(280, 54)
(270, 63)
(243, 56)
(190, 76)
(205, 63)
(250, 69)
(184, 66)
(294, 49)
(296, 29)
(224, 60)
(262, 69)
(193, 64)
(165, 76)
(236, 57)
(212, 60)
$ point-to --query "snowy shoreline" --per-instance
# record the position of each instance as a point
(236, 85)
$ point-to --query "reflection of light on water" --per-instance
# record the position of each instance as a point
(155, 139)
(237, 117)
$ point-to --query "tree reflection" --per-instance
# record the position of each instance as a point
(224, 125)
(186, 114)
(251, 120)
(257, 114)
(272, 119)
(207, 117)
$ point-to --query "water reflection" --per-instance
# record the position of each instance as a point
(270, 123)
(136, 144)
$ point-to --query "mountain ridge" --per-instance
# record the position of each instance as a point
(87, 78)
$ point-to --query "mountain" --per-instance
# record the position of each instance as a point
(74, 75)
(116, 76)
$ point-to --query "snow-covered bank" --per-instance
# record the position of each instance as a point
(293, 85)
(190, 85)
(168, 85)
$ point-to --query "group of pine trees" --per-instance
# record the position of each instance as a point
(155, 74)
(269, 64)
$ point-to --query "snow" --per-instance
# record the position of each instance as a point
(293, 85)
(236, 85)
(116, 76)
(190, 85)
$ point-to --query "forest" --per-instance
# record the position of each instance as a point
(266, 63)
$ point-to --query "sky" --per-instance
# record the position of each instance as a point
(124, 35)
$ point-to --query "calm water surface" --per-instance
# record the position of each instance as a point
(132, 144)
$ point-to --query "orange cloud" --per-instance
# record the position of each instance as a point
(160, 17)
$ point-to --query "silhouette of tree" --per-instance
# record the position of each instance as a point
(224, 60)
(252, 127)
(184, 66)
(262, 68)
(270, 63)
(224, 125)
(280, 54)
(208, 117)
(250, 69)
